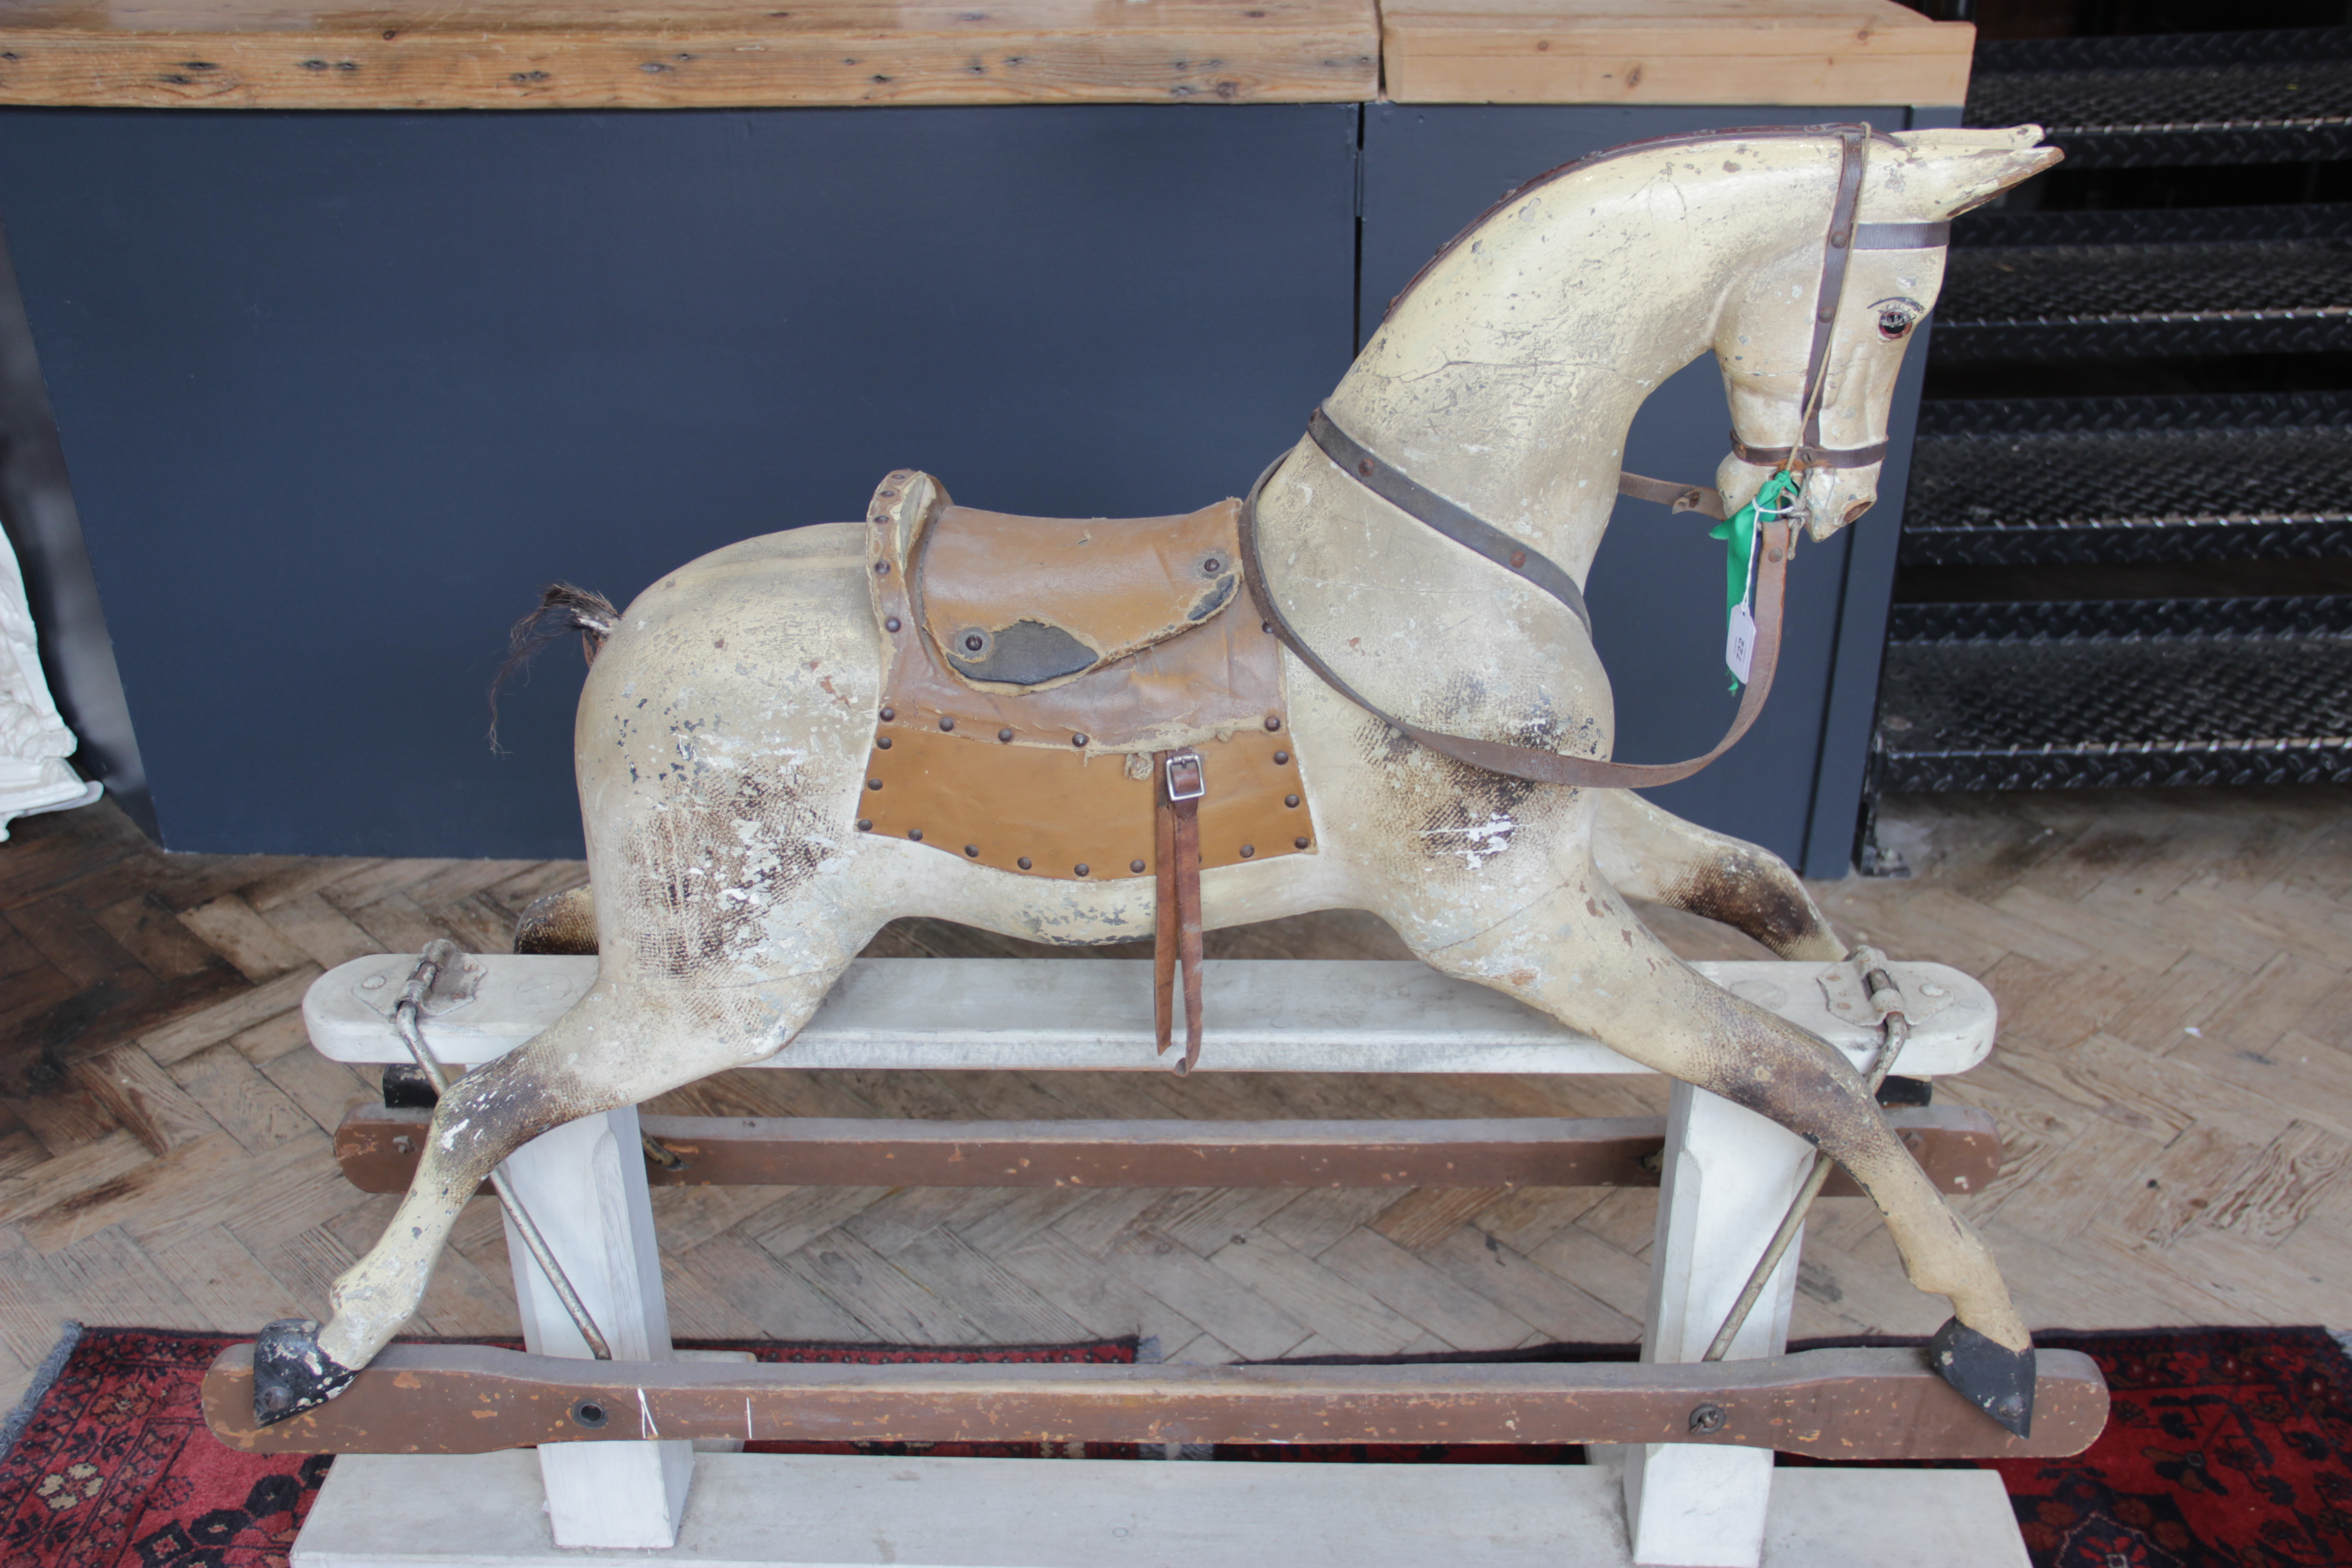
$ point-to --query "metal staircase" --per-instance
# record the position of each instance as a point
(2150, 581)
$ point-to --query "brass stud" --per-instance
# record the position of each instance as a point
(1136, 867)
(1023, 863)
(881, 742)
(891, 624)
(1248, 850)
(865, 825)
(1273, 721)
(1291, 801)
(1298, 844)
(1004, 735)
(1282, 758)
(916, 834)
(873, 783)
(947, 723)
(972, 851)
(1080, 867)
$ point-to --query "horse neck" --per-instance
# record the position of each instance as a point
(1506, 378)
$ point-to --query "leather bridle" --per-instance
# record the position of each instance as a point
(1777, 540)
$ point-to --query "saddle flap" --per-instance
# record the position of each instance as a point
(1023, 602)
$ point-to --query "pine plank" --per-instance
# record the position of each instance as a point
(144, 1099)
(1345, 1315)
(247, 1106)
(186, 1035)
(253, 947)
(1554, 1307)
(1461, 1317)
(878, 1294)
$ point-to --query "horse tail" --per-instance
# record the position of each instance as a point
(562, 609)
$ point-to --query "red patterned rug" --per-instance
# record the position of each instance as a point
(2228, 1448)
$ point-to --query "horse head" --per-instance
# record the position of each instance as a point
(1912, 185)
(1508, 373)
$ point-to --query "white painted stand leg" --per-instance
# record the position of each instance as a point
(584, 1184)
(1729, 1176)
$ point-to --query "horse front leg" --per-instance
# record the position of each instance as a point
(1582, 955)
(618, 1045)
(1651, 854)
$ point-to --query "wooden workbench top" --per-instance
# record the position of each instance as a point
(1672, 51)
(688, 54)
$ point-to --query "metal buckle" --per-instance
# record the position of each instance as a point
(1185, 780)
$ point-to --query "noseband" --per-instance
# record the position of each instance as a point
(1401, 490)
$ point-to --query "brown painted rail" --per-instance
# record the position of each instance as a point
(1958, 1145)
(1832, 1405)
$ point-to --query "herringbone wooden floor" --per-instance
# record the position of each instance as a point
(2174, 1081)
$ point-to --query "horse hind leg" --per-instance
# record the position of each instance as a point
(1651, 854)
(1582, 955)
(618, 1045)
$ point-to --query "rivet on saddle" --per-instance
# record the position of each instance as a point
(1045, 673)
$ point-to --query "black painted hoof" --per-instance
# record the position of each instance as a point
(1997, 1380)
(291, 1373)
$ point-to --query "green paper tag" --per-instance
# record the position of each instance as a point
(1738, 531)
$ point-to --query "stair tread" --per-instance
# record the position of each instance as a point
(2168, 696)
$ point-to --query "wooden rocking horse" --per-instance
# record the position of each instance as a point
(1371, 684)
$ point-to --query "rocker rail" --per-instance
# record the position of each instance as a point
(1958, 1146)
(1828, 1404)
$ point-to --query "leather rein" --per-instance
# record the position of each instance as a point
(1777, 543)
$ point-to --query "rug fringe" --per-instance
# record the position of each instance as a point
(44, 1377)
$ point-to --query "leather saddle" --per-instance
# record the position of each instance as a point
(1079, 699)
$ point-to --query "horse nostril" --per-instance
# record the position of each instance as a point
(1858, 508)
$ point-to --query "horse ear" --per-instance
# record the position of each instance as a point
(1969, 168)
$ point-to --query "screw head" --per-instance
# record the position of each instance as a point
(1136, 867)
(1273, 723)
(1080, 867)
(890, 625)
(881, 742)
(1023, 863)
(1298, 844)
(1708, 1418)
(1248, 850)
(1004, 735)
(972, 851)
(947, 723)
(873, 783)
(865, 825)
(1282, 758)
(1078, 739)
(916, 834)
(888, 714)
(1291, 801)
(974, 643)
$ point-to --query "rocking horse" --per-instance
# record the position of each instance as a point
(1369, 684)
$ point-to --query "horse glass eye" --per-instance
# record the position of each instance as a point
(1896, 318)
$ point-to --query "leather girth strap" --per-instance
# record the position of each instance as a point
(1177, 937)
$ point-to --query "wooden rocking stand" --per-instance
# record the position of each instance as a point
(632, 1461)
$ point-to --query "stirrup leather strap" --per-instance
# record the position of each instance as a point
(1177, 936)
